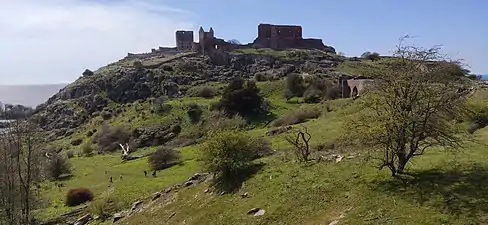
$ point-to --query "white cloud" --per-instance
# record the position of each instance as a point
(52, 41)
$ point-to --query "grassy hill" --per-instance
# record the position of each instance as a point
(444, 187)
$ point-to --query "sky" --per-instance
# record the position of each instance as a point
(54, 41)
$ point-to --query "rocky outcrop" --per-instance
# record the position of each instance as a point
(156, 135)
(122, 82)
(160, 196)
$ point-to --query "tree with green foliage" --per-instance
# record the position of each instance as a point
(194, 112)
(163, 158)
(229, 156)
(294, 85)
(241, 97)
(412, 106)
(312, 95)
(371, 56)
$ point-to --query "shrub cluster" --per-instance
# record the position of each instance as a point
(159, 106)
(78, 196)
(241, 97)
(194, 112)
(371, 56)
(105, 206)
(57, 166)
(312, 87)
(109, 138)
(76, 142)
(86, 149)
(201, 91)
(297, 116)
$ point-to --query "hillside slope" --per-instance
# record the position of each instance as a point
(337, 187)
(130, 80)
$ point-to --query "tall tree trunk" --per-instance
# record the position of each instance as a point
(402, 161)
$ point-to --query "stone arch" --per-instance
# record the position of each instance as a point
(354, 92)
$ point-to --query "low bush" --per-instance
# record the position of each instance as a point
(159, 106)
(163, 158)
(479, 111)
(312, 95)
(105, 206)
(202, 91)
(478, 116)
(78, 196)
(261, 76)
(109, 138)
(162, 109)
(57, 166)
(76, 141)
(297, 116)
(106, 115)
(194, 112)
(333, 92)
(138, 65)
(86, 149)
(219, 121)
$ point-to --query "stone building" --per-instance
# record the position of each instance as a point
(205, 41)
(269, 36)
(286, 36)
(208, 43)
(353, 86)
(184, 40)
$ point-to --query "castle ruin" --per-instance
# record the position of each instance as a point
(277, 37)
(286, 36)
(353, 86)
(269, 36)
(184, 40)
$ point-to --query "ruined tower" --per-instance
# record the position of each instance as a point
(206, 40)
(279, 36)
(184, 40)
(286, 36)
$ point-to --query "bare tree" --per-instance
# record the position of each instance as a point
(412, 106)
(20, 170)
(299, 139)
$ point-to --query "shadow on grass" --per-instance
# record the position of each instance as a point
(463, 193)
(168, 165)
(63, 177)
(261, 119)
(231, 183)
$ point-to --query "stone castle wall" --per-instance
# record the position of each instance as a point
(184, 40)
(286, 36)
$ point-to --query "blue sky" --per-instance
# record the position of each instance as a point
(53, 41)
(354, 26)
